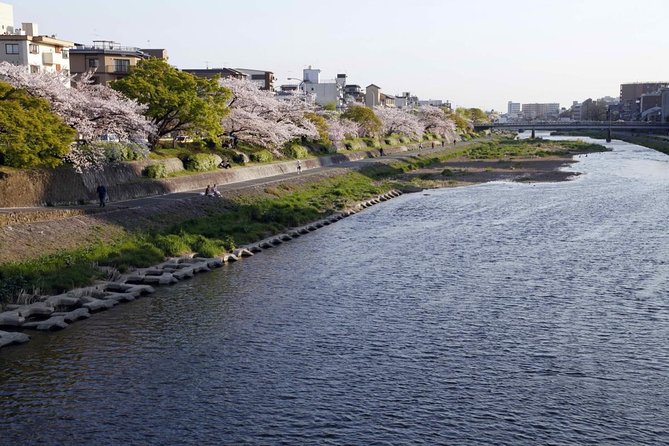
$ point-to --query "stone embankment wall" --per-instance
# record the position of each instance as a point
(52, 313)
(124, 181)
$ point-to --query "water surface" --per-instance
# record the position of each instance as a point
(496, 314)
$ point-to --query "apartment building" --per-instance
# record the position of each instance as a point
(630, 98)
(108, 60)
(541, 111)
(26, 47)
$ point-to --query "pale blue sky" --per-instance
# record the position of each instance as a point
(473, 52)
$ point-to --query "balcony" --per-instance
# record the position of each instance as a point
(117, 69)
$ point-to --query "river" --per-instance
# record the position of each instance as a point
(505, 314)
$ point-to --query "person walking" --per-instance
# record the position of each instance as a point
(299, 167)
(102, 195)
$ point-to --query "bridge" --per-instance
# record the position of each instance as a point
(627, 126)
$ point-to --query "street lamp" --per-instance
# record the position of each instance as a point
(301, 83)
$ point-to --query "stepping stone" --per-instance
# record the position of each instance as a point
(255, 249)
(62, 301)
(76, 315)
(229, 258)
(285, 238)
(214, 263)
(52, 324)
(11, 319)
(38, 309)
(184, 273)
(242, 252)
(12, 338)
(95, 305)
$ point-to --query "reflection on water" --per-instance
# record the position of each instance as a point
(496, 314)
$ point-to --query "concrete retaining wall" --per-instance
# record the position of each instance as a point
(63, 186)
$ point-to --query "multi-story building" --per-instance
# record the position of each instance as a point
(545, 111)
(223, 73)
(630, 98)
(406, 100)
(323, 92)
(353, 94)
(25, 46)
(264, 79)
(513, 108)
(108, 60)
(576, 111)
(372, 96)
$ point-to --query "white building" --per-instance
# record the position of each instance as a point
(324, 92)
(24, 46)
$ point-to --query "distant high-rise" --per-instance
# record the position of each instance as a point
(513, 108)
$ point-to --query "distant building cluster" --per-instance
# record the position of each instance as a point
(638, 101)
(108, 60)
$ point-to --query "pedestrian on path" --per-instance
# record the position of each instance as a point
(102, 195)
(299, 167)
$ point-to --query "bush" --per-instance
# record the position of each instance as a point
(135, 254)
(205, 247)
(172, 245)
(392, 141)
(155, 171)
(372, 143)
(355, 144)
(116, 152)
(262, 156)
(201, 162)
(296, 151)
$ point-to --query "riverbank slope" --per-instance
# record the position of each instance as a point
(58, 254)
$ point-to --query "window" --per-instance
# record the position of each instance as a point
(66, 54)
(11, 48)
(34, 69)
(121, 65)
(257, 77)
(93, 63)
(34, 49)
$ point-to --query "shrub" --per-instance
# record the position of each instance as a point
(296, 151)
(172, 245)
(201, 162)
(133, 254)
(262, 156)
(155, 171)
(372, 143)
(392, 141)
(116, 152)
(205, 247)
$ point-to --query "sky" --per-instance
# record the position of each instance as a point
(474, 53)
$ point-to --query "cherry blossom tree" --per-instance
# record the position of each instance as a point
(340, 129)
(91, 110)
(395, 120)
(436, 121)
(258, 118)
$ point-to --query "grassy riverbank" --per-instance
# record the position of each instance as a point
(243, 218)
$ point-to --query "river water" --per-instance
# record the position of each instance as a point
(496, 314)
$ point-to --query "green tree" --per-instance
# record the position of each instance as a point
(176, 101)
(30, 134)
(321, 125)
(365, 117)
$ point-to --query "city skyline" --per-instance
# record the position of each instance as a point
(481, 54)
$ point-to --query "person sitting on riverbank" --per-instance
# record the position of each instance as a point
(207, 191)
(215, 192)
(225, 164)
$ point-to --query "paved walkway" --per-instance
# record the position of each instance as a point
(147, 201)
